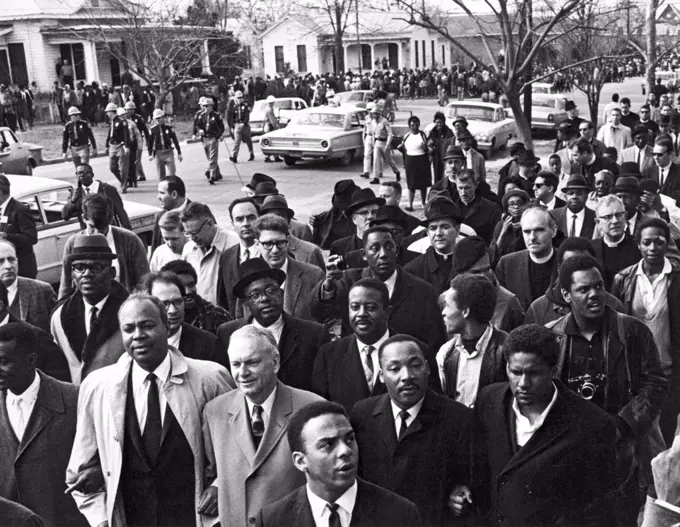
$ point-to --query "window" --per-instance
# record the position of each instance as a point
(443, 55)
(278, 57)
(302, 58)
(32, 203)
(5, 76)
(424, 59)
(75, 54)
(52, 204)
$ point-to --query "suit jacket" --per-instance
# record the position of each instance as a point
(307, 252)
(73, 206)
(199, 344)
(301, 230)
(577, 441)
(374, 507)
(589, 171)
(33, 469)
(427, 267)
(658, 516)
(301, 279)
(346, 244)
(424, 466)
(630, 155)
(14, 515)
(563, 219)
(671, 182)
(482, 215)
(298, 347)
(229, 275)
(20, 229)
(101, 426)
(34, 302)
(250, 478)
(512, 273)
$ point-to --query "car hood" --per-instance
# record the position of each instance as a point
(308, 132)
(135, 209)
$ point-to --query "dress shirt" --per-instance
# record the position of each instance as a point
(321, 512)
(4, 320)
(276, 328)
(253, 251)
(639, 154)
(12, 292)
(93, 188)
(284, 268)
(267, 406)
(632, 222)
(412, 414)
(28, 399)
(140, 388)
(374, 355)
(391, 282)
(112, 245)
(668, 506)
(470, 368)
(580, 218)
(652, 292)
(551, 204)
(524, 429)
(173, 340)
(88, 309)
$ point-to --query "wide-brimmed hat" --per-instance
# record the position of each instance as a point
(570, 105)
(259, 178)
(464, 135)
(630, 168)
(361, 198)
(527, 157)
(460, 119)
(442, 208)
(342, 193)
(576, 182)
(91, 247)
(276, 202)
(515, 192)
(390, 214)
(454, 152)
(266, 188)
(516, 148)
(254, 269)
(640, 129)
(630, 184)
(467, 253)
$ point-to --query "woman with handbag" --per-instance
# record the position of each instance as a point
(416, 150)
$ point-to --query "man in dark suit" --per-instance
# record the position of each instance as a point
(477, 212)
(575, 219)
(88, 185)
(664, 172)
(298, 340)
(17, 225)
(322, 441)
(37, 429)
(13, 514)
(545, 186)
(531, 423)
(586, 163)
(192, 342)
(172, 195)
(333, 224)
(362, 210)
(640, 153)
(413, 441)
(413, 301)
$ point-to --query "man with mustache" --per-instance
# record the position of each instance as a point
(413, 441)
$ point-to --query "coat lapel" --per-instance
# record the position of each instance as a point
(289, 340)
(278, 422)
(48, 403)
(240, 423)
(401, 292)
(382, 413)
(302, 512)
(118, 395)
(5, 425)
(23, 294)
(292, 287)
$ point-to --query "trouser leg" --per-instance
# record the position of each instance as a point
(368, 154)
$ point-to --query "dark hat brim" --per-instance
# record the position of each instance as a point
(426, 221)
(631, 190)
(576, 187)
(268, 208)
(240, 286)
(352, 208)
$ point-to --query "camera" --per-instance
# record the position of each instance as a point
(587, 385)
(342, 264)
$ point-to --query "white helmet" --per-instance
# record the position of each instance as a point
(271, 99)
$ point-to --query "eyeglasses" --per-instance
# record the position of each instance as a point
(659, 154)
(280, 245)
(610, 217)
(176, 303)
(96, 267)
(188, 234)
(269, 292)
(539, 185)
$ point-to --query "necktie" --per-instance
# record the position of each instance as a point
(153, 427)
(75, 131)
(257, 425)
(404, 417)
(93, 319)
(368, 365)
(87, 191)
(661, 176)
(573, 225)
(334, 517)
(21, 418)
(246, 255)
(638, 159)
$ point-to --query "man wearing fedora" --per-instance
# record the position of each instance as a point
(362, 210)
(298, 340)
(665, 172)
(528, 164)
(301, 249)
(575, 219)
(586, 163)
(640, 153)
(238, 121)
(333, 224)
(264, 189)
(257, 178)
(85, 323)
(474, 160)
(565, 133)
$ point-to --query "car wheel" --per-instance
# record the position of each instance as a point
(346, 160)
(289, 161)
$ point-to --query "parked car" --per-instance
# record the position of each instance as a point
(488, 122)
(284, 108)
(16, 156)
(669, 79)
(46, 198)
(353, 97)
(322, 132)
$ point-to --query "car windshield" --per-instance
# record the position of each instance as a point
(471, 113)
(349, 96)
(324, 120)
(283, 104)
(545, 103)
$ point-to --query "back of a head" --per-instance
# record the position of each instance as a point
(271, 222)
(98, 208)
(533, 339)
(575, 244)
(180, 267)
(176, 184)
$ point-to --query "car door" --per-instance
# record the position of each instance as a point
(13, 155)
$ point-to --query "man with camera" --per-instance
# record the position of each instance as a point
(612, 360)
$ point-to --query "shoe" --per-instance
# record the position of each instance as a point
(143, 178)
(207, 174)
(211, 181)
(364, 175)
(252, 157)
(233, 159)
(398, 176)
(267, 160)
(375, 181)
(409, 209)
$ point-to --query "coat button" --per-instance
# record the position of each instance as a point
(252, 521)
(499, 519)
(528, 489)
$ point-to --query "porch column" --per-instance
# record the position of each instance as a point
(372, 65)
(205, 60)
(91, 65)
(345, 56)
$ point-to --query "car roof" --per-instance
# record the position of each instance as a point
(471, 104)
(21, 186)
(340, 110)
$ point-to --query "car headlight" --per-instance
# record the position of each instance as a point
(265, 142)
(551, 118)
(324, 144)
(482, 137)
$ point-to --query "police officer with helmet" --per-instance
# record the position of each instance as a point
(161, 138)
(209, 127)
(118, 145)
(79, 136)
(138, 120)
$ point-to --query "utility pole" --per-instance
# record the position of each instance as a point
(360, 54)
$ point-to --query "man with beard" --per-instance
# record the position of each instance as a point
(412, 441)
(575, 219)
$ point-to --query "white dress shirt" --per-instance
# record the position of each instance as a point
(470, 368)
(18, 417)
(580, 218)
(524, 429)
(632, 222)
(390, 283)
(173, 340)
(653, 292)
(253, 251)
(88, 310)
(374, 356)
(12, 292)
(663, 174)
(3, 206)
(321, 512)
(276, 328)
(412, 414)
(93, 188)
(267, 406)
(284, 268)
(140, 389)
(551, 204)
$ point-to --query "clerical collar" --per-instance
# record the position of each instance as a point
(543, 260)
(442, 255)
(614, 243)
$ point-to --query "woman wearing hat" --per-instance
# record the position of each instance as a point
(441, 137)
(508, 229)
(416, 150)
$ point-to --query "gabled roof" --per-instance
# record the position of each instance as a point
(668, 14)
(304, 21)
(12, 10)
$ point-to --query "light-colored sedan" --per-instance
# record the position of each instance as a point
(16, 156)
(488, 122)
(46, 198)
(323, 132)
(284, 108)
(547, 111)
(353, 97)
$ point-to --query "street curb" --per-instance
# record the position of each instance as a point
(58, 160)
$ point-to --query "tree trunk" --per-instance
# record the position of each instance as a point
(523, 125)
(594, 102)
(339, 50)
(650, 27)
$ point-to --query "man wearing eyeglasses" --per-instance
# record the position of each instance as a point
(664, 171)
(272, 234)
(587, 130)
(85, 324)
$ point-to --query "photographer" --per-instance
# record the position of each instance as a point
(612, 360)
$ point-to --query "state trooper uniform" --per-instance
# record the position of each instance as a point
(209, 126)
(161, 139)
(138, 120)
(238, 119)
(79, 136)
(377, 145)
(118, 144)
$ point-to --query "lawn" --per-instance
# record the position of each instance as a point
(50, 136)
